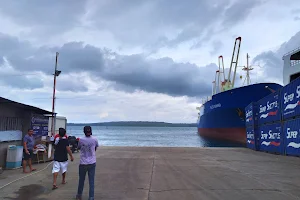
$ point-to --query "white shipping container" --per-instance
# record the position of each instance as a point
(61, 122)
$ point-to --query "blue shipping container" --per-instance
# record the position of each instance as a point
(271, 139)
(251, 114)
(269, 108)
(252, 138)
(291, 130)
(290, 98)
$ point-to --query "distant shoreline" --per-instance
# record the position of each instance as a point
(136, 123)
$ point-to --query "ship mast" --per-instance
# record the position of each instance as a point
(247, 69)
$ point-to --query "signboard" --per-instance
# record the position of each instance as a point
(39, 124)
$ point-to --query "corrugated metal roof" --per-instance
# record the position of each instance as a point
(24, 106)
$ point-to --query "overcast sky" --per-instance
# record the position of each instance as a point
(141, 60)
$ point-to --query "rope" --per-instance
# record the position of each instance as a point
(26, 176)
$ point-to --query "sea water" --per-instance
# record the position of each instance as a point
(148, 136)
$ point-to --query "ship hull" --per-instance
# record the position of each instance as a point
(236, 135)
(223, 117)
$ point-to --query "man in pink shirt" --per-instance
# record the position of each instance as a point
(88, 146)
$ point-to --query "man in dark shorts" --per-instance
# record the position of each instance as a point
(61, 152)
(28, 145)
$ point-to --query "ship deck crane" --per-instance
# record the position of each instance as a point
(221, 83)
(218, 83)
(234, 63)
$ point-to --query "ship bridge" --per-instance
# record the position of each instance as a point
(291, 66)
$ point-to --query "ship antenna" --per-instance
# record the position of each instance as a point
(248, 68)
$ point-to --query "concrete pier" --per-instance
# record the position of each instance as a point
(168, 173)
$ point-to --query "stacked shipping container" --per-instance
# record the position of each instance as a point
(251, 126)
(269, 123)
(290, 97)
(273, 123)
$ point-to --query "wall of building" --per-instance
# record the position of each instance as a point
(14, 118)
(11, 129)
(14, 123)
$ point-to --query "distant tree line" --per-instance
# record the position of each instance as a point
(136, 123)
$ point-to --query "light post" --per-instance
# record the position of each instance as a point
(56, 73)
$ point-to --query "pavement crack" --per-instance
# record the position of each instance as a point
(151, 175)
(210, 189)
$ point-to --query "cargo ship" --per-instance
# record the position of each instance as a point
(222, 116)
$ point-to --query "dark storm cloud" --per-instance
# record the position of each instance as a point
(44, 17)
(76, 56)
(151, 24)
(125, 72)
(160, 75)
(146, 22)
(20, 82)
(71, 84)
(130, 72)
(238, 12)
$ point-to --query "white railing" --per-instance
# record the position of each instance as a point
(292, 52)
(208, 98)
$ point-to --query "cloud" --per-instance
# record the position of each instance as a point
(11, 78)
(271, 61)
(156, 24)
(122, 59)
(238, 12)
(160, 75)
(216, 45)
(77, 56)
(295, 11)
(44, 17)
(21, 82)
(111, 105)
(72, 82)
(127, 72)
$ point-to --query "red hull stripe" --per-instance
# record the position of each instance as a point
(230, 134)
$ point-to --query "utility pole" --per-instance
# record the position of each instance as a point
(56, 73)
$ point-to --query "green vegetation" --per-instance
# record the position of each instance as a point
(135, 123)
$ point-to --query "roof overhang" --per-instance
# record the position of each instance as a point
(25, 107)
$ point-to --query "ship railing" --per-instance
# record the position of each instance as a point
(292, 52)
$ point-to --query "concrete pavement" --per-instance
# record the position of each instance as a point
(170, 173)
